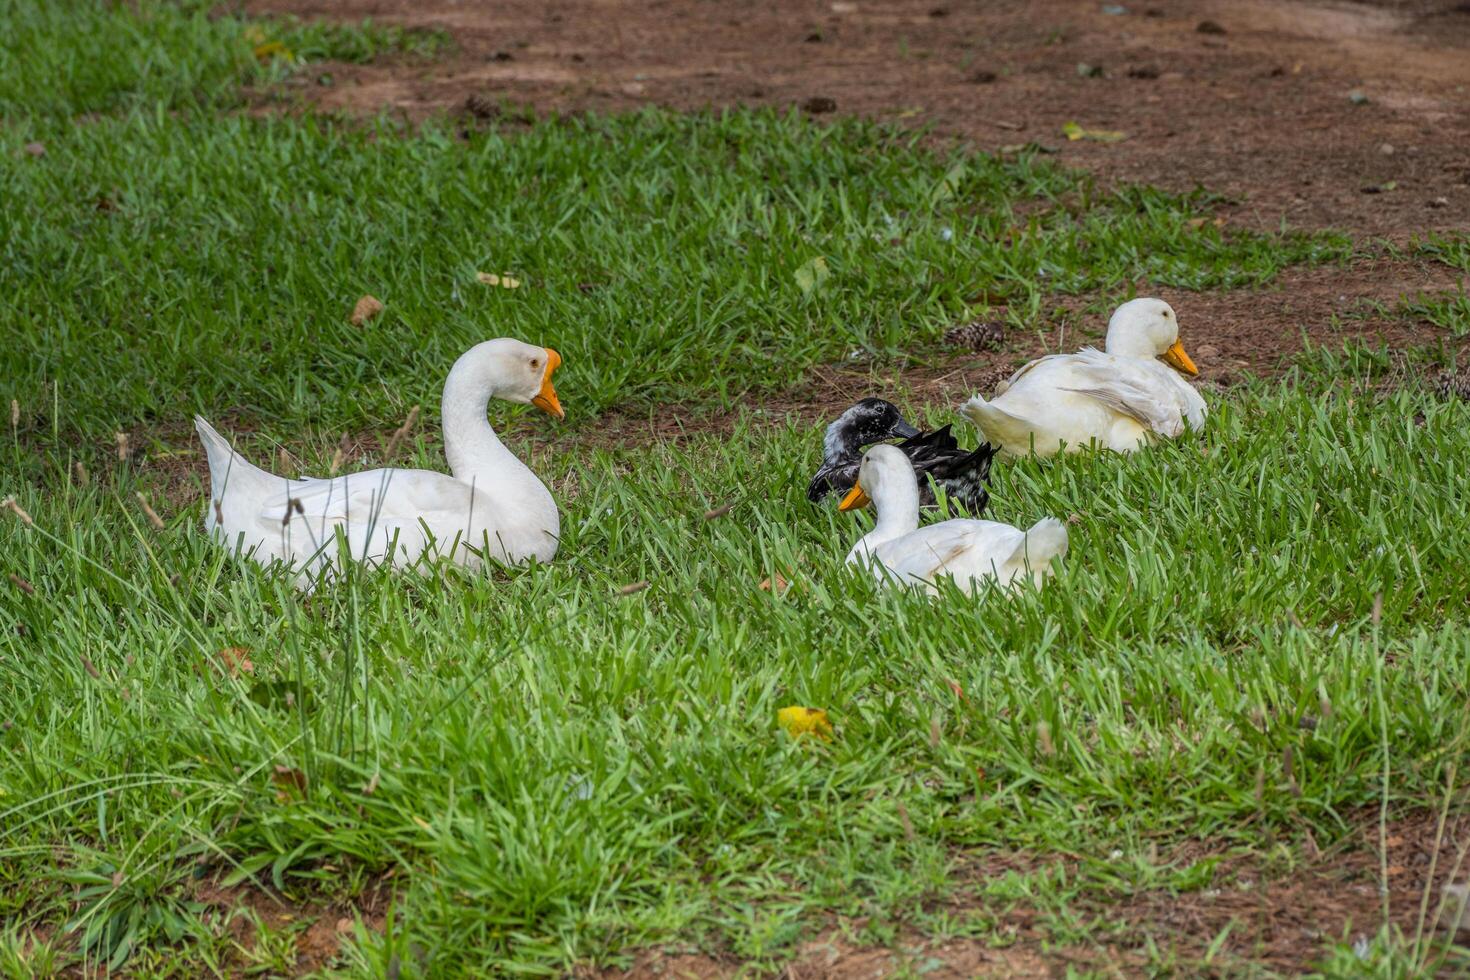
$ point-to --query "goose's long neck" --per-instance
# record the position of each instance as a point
(475, 453)
(898, 511)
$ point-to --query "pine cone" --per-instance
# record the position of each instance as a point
(984, 384)
(1454, 384)
(978, 335)
(481, 107)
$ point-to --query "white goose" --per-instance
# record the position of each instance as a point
(1119, 400)
(899, 552)
(493, 507)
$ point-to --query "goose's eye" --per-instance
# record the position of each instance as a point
(535, 363)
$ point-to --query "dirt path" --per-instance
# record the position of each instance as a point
(1292, 107)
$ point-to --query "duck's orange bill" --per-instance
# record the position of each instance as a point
(546, 399)
(856, 499)
(1178, 360)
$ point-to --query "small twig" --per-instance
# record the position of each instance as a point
(150, 513)
(1288, 763)
(1043, 739)
(720, 511)
(340, 456)
(400, 434)
(903, 818)
(19, 511)
(632, 588)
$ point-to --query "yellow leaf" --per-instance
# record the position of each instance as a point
(1075, 132)
(800, 721)
(271, 49)
(505, 280)
(422, 823)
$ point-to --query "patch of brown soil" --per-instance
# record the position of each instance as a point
(318, 927)
(1277, 920)
(1260, 106)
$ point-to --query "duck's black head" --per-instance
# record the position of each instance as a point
(870, 420)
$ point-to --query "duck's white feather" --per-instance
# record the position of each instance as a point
(1117, 401)
(970, 552)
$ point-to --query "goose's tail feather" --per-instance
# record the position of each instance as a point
(1044, 541)
(999, 427)
(226, 466)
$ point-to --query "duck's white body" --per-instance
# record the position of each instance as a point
(491, 507)
(972, 553)
(1117, 400)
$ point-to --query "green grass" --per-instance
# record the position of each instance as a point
(560, 771)
(68, 58)
(556, 774)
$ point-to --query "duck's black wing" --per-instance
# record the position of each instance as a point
(962, 473)
(926, 445)
(964, 476)
(833, 476)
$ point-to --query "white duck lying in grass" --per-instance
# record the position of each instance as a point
(492, 507)
(1119, 400)
(899, 552)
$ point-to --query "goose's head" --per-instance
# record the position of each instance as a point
(870, 420)
(518, 372)
(885, 473)
(1148, 328)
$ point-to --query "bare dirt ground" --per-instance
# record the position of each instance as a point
(1273, 917)
(1249, 97)
(1354, 116)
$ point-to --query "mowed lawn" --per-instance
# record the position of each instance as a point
(1256, 645)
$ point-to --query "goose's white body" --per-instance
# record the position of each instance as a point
(972, 553)
(1117, 400)
(491, 507)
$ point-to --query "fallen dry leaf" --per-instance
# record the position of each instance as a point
(780, 584)
(954, 686)
(365, 309)
(288, 779)
(236, 660)
(344, 926)
(1075, 132)
(799, 721)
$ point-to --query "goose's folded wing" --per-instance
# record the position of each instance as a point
(930, 551)
(1002, 386)
(388, 496)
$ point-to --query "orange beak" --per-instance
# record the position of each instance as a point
(1178, 360)
(856, 499)
(546, 399)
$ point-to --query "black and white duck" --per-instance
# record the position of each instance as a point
(961, 472)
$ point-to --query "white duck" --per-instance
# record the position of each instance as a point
(1119, 399)
(492, 507)
(899, 552)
